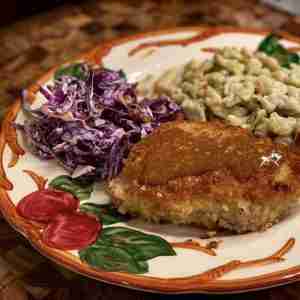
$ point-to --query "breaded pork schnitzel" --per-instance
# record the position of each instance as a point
(208, 174)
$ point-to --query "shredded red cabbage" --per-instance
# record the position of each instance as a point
(88, 124)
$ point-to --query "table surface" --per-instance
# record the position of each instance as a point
(31, 46)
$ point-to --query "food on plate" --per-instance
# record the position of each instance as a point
(208, 174)
(259, 91)
(89, 119)
(212, 174)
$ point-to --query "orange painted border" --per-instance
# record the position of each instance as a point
(37, 179)
(151, 284)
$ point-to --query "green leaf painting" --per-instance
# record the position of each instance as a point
(142, 246)
(106, 213)
(125, 249)
(112, 259)
(271, 46)
(74, 186)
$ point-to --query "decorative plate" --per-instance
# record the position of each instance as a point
(149, 257)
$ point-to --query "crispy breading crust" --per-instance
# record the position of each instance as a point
(206, 174)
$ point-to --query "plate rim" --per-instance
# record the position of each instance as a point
(29, 229)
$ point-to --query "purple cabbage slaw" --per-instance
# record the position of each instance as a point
(88, 124)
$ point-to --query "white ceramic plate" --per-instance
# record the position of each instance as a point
(234, 268)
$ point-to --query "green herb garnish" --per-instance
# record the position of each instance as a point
(75, 70)
(272, 47)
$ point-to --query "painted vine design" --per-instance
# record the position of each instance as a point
(119, 248)
(199, 37)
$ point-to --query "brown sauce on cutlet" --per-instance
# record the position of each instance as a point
(192, 149)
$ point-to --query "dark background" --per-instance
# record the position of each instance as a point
(15, 9)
